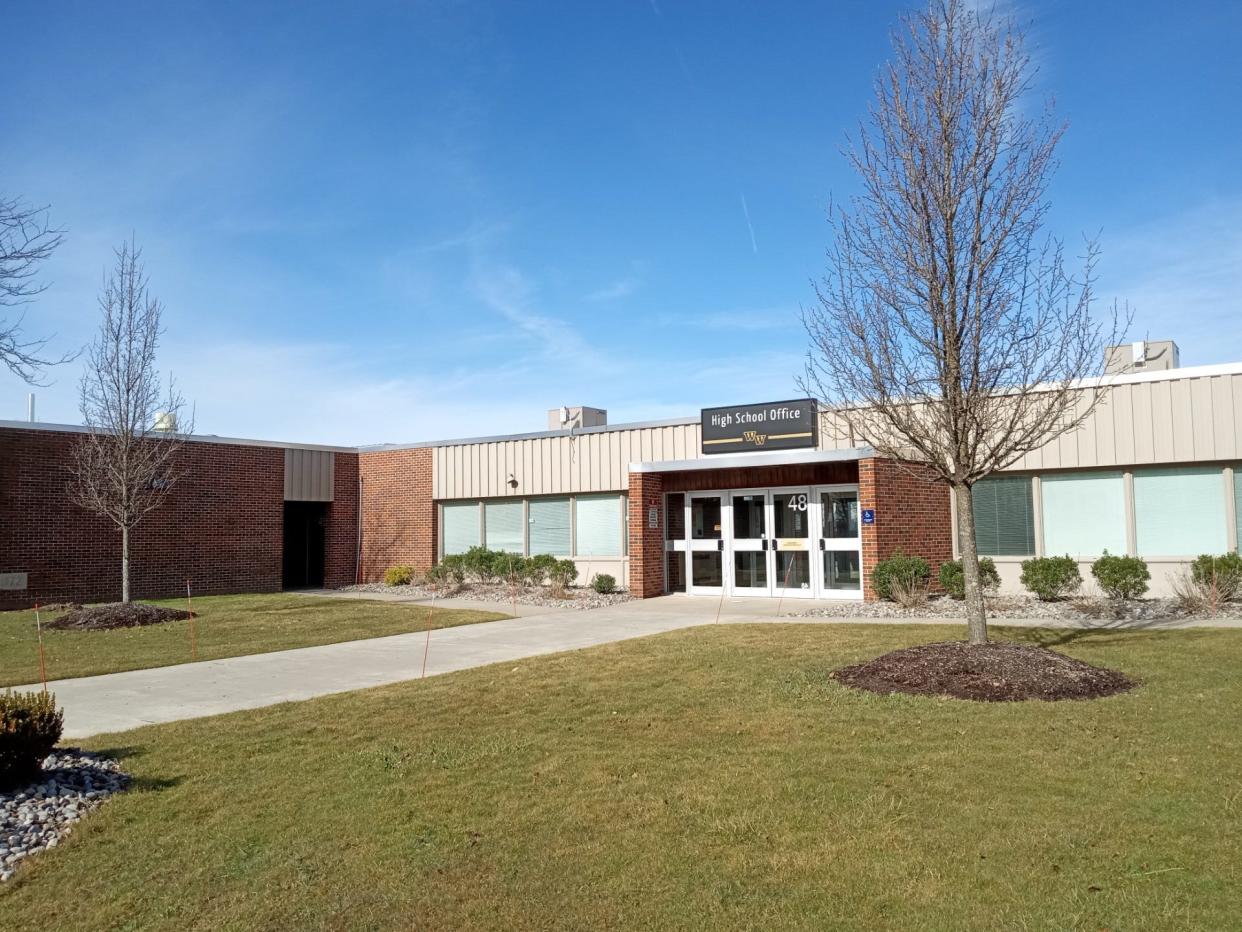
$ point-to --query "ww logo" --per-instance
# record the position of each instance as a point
(753, 436)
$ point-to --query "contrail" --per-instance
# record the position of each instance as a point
(749, 226)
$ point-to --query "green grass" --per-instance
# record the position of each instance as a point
(226, 626)
(710, 778)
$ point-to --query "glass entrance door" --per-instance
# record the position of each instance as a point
(840, 546)
(749, 557)
(705, 546)
(791, 542)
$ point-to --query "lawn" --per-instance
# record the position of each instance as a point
(227, 626)
(704, 779)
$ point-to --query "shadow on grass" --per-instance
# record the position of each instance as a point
(1101, 631)
(128, 752)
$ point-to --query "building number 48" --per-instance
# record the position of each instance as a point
(797, 502)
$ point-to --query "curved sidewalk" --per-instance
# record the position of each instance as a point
(120, 701)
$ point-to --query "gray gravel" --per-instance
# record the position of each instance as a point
(578, 597)
(1002, 607)
(40, 815)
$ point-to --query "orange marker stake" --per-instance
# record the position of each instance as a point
(42, 660)
(189, 607)
(427, 645)
(786, 586)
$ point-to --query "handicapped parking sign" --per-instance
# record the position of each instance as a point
(868, 516)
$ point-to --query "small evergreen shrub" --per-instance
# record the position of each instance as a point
(538, 568)
(481, 564)
(30, 726)
(953, 577)
(1221, 573)
(449, 573)
(1051, 578)
(603, 583)
(398, 575)
(1121, 578)
(563, 575)
(899, 573)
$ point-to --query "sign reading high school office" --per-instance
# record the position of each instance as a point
(775, 425)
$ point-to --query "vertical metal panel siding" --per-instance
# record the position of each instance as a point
(309, 475)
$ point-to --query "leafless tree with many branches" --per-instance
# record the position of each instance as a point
(126, 463)
(26, 240)
(947, 333)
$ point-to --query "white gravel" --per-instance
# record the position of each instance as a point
(38, 816)
(1002, 607)
(577, 597)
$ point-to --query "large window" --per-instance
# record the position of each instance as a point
(502, 525)
(1179, 512)
(549, 526)
(598, 525)
(1004, 517)
(461, 527)
(1237, 501)
(1084, 514)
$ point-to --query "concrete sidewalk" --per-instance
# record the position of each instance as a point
(120, 701)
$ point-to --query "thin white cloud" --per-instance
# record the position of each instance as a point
(749, 226)
(614, 291)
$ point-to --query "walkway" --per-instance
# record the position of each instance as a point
(120, 701)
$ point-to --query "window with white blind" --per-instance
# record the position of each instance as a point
(461, 527)
(1237, 501)
(1004, 516)
(549, 526)
(1180, 511)
(502, 525)
(1084, 514)
(598, 525)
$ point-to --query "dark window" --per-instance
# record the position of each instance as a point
(1004, 517)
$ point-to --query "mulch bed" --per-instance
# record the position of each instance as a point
(984, 673)
(115, 615)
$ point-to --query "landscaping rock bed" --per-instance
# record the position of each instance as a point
(1002, 607)
(986, 673)
(576, 597)
(39, 815)
(114, 615)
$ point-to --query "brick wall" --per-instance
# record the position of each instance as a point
(341, 544)
(646, 542)
(911, 514)
(398, 512)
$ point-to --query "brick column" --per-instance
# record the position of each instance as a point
(912, 515)
(646, 542)
(398, 511)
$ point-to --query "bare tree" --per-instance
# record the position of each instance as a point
(26, 239)
(947, 333)
(125, 464)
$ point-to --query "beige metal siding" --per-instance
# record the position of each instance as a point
(309, 475)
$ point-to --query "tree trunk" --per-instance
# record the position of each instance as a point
(976, 616)
(125, 565)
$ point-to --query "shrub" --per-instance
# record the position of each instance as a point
(909, 573)
(539, 568)
(481, 564)
(449, 573)
(511, 567)
(603, 583)
(1198, 595)
(30, 726)
(1121, 578)
(1051, 578)
(563, 575)
(398, 575)
(1222, 573)
(953, 577)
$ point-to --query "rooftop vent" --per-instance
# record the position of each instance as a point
(1141, 356)
(165, 422)
(564, 418)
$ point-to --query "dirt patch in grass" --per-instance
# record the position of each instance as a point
(984, 673)
(115, 615)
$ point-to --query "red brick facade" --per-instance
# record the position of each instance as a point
(398, 512)
(646, 542)
(912, 515)
(341, 544)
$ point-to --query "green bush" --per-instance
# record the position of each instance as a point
(899, 572)
(538, 568)
(1051, 578)
(953, 577)
(481, 564)
(603, 583)
(30, 726)
(1121, 578)
(398, 575)
(448, 573)
(563, 573)
(1222, 573)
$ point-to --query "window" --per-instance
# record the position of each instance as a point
(502, 523)
(1084, 514)
(461, 527)
(549, 526)
(1179, 512)
(598, 525)
(1237, 500)
(1004, 517)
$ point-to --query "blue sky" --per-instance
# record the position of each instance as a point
(402, 221)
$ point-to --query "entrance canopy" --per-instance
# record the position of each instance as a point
(753, 460)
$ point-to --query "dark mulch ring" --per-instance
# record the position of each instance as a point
(115, 615)
(985, 673)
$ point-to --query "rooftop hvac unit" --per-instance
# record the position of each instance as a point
(166, 422)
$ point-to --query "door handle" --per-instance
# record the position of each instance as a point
(720, 544)
(821, 544)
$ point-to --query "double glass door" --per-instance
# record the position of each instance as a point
(771, 542)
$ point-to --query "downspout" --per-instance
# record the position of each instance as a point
(358, 522)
